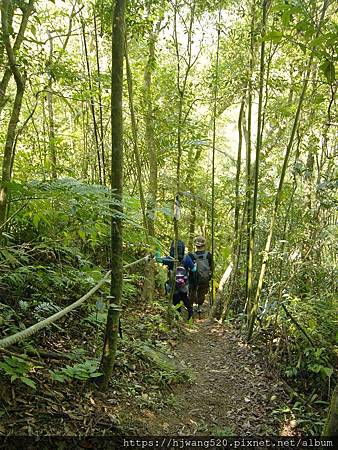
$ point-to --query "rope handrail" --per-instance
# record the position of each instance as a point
(22, 335)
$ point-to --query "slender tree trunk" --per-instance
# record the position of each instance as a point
(45, 133)
(149, 270)
(149, 132)
(281, 181)
(92, 103)
(103, 156)
(51, 122)
(259, 118)
(84, 167)
(237, 235)
(249, 187)
(211, 298)
(8, 155)
(252, 225)
(27, 11)
(20, 80)
(190, 181)
(50, 102)
(52, 146)
(135, 140)
(181, 84)
(236, 268)
(192, 221)
(181, 81)
(111, 335)
(238, 174)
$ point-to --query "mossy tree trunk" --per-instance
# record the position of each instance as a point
(331, 425)
(111, 334)
(20, 81)
(27, 11)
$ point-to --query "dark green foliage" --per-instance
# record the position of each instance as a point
(17, 369)
(82, 371)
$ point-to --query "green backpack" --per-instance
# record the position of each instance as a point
(203, 268)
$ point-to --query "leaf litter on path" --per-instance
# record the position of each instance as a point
(231, 393)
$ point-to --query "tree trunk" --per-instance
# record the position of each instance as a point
(27, 11)
(103, 156)
(111, 335)
(221, 310)
(135, 140)
(211, 298)
(149, 132)
(8, 155)
(192, 221)
(51, 122)
(92, 104)
(20, 80)
(181, 85)
(149, 269)
(249, 187)
(238, 175)
(252, 225)
(331, 425)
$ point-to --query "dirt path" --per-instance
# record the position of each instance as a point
(233, 392)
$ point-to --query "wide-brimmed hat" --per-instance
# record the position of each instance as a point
(200, 241)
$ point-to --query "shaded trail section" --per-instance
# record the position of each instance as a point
(233, 391)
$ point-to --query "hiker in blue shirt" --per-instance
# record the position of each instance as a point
(180, 281)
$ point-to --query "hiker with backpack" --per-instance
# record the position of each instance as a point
(199, 279)
(180, 281)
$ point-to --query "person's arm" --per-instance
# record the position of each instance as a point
(166, 260)
(188, 263)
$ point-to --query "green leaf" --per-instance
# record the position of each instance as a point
(316, 368)
(326, 371)
(28, 381)
(286, 17)
(82, 234)
(329, 71)
(36, 220)
(274, 36)
(57, 376)
(96, 374)
(317, 99)
(318, 40)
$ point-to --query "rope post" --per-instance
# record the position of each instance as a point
(116, 310)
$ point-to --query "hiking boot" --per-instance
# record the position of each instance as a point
(199, 309)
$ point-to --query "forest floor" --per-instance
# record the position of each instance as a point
(233, 392)
(222, 385)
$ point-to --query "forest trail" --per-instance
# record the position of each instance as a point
(233, 393)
